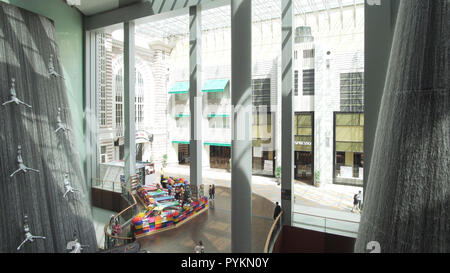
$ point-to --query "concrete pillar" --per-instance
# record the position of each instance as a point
(129, 101)
(378, 27)
(91, 131)
(287, 112)
(406, 203)
(195, 95)
(241, 143)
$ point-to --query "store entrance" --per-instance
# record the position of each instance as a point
(219, 157)
(264, 164)
(304, 167)
(183, 154)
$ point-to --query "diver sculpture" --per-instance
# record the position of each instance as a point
(67, 185)
(61, 126)
(21, 166)
(13, 95)
(51, 68)
(28, 236)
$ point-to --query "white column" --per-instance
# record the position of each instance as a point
(195, 95)
(287, 112)
(129, 101)
(241, 143)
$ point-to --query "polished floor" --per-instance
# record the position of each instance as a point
(213, 228)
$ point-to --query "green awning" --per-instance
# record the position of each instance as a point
(182, 115)
(218, 115)
(215, 85)
(218, 144)
(180, 142)
(180, 88)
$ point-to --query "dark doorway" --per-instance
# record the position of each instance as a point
(219, 157)
(183, 154)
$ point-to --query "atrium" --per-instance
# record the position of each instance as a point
(224, 126)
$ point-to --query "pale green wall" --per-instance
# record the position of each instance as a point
(69, 33)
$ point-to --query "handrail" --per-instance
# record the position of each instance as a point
(105, 229)
(325, 217)
(266, 247)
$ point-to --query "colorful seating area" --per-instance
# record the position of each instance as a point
(163, 210)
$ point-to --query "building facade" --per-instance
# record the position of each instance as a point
(328, 97)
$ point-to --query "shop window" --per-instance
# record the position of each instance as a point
(303, 146)
(215, 97)
(349, 146)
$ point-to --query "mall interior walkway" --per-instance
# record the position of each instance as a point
(213, 228)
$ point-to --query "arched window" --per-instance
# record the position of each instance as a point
(139, 99)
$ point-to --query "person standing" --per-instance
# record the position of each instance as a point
(213, 191)
(359, 199)
(277, 211)
(210, 192)
(199, 248)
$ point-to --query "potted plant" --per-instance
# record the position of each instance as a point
(278, 174)
(164, 161)
(317, 178)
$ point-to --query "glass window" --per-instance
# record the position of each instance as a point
(309, 53)
(261, 93)
(308, 82)
(352, 92)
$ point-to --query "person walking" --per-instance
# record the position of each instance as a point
(199, 248)
(355, 202)
(277, 211)
(359, 199)
(213, 191)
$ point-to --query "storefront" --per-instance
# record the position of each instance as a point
(349, 148)
(219, 155)
(263, 159)
(304, 146)
(263, 150)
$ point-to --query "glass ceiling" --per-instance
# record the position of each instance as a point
(221, 17)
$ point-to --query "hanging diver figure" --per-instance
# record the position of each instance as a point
(75, 246)
(13, 95)
(20, 164)
(51, 68)
(59, 123)
(67, 185)
(28, 236)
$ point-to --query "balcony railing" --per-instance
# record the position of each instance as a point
(124, 218)
(330, 225)
(273, 234)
